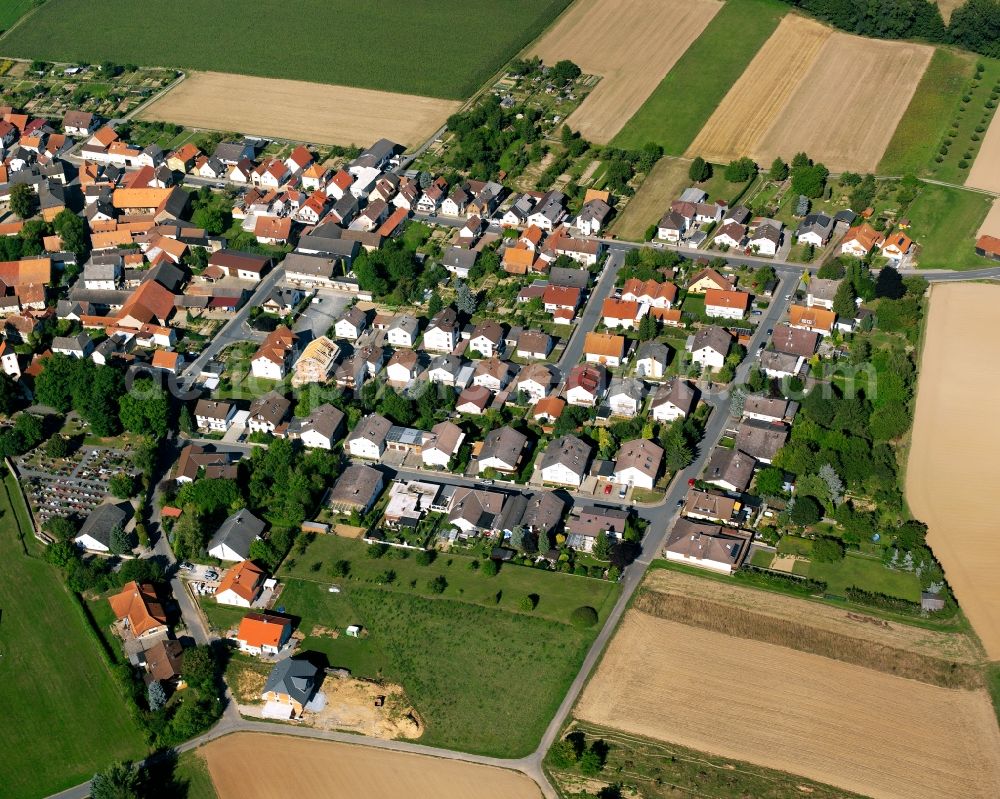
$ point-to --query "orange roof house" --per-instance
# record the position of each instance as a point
(165, 359)
(241, 584)
(561, 297)
(263, 632)
(272, 228)
(619, 310)
(818, 320)
(708, 278)
(896, 245)
(604, 348)
(104, 136)
(988, 247)
(149, 303)
(145, 198)
(860, 239)
(726, 303)
(549, 408)
(518, 260)
(141, 610)
(27, 271)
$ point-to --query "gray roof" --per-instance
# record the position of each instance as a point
(631, 387)
(762, 440)
(779, 361)
(294, 677)
(270, 408)
(460, 258)
(677, 391)
(238, 532)
(358, 485)
(103, 519)
(504, 443)
(77, 343)
(714, 337)
(570, 451)
(544, 511)
(731, 466)
(406, 322)
(313, 265)
(820, 224)
(765, 406)
(374, 427)
(325, 420)
(102, 269)
(823, 289)
(569, 277)
(655, 350)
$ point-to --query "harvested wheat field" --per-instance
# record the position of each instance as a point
(991, 224)
(985, 172)
(867, 86)
(662, 185)
(952, 472)
(759, 96)
(631, 44)
(857, 729)
(818, 616)
(243, 767)
(301, 111)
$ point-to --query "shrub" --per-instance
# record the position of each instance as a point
(426, 557)
(437, 584)
(583, 617)
(528, 602)
(963, 164)
(490, 568)
(376, 551)
(341, 568)
(827, 550)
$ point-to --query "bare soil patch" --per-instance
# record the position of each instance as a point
(805, 638)
(762, 92)
(991, 224)
(631, 44)
(958, 646)
(243, 766)
(947, 6)
(663, 184)
(851, 727)
(952, 472)
(985, 172)
(867, 85)
(301, 111)
(352, 705)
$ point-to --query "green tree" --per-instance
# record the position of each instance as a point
(602, 546)
(121, 542)
(199, 668)
(564, 71)
(805, 511)
(647, 328)
(145, 409)
(770, 481)
(72, 229)
(677, 451)
(122, 485)
(434, 305)
(60, 528)
(490, 568)
(156, 697)
(465, 300)
(700, 170)
(779, 170)
(437, 585)
(120, 780)
(740, 170)
(889, 284)
(843, 300)
(22, 201)
(827, 550)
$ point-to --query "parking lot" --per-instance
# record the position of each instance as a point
(325, 309)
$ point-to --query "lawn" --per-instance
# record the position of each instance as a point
(868, 574)
(944, 221)
(484, 674)
(63, 716)
(407, 48)
(923, 126)
(679, 107)
(12, 10)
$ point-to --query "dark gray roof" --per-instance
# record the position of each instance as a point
(313, 265)
(570, 451)
(569, 277)
(460, 258)
(238, 532)
(732, 466)
(103, 519)
(296, 678)
(504, 443)
(543, 512)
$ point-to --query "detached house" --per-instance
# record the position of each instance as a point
(592, 217)
(403, 331)
(214, 415)
(586, 384)
(267, 412)
(622, 314)
(710, 347)
(352, 324)
(671, 227)
(815, 229)
(706, 546)
(638, 463)
(652, 360)
(441, 444)
(235, 535)
(708, 279)
(535, 380)
(288, 688)
(625, 396)
(141, 612)
(815, 320)
(367, 440)
(502, 450)
(357, 489)
(263, 633)
(442, 333)
(316, 362)
(274, 355)
(564, 461)
(487, 338)
(860, 240)
(534, 344)
(241, 585)
(604, 348)
(675, 399)
(726, 304)
(895, 247)
(321, 428)
(821, 293)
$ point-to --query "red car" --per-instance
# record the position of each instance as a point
(607, 488)
(691, 483)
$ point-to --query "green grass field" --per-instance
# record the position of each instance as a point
(12, 10)
(868, 574)
(923, 126)
(411, 48)
(484, 674)
(680, 106)
(63, 716)
(944, 221)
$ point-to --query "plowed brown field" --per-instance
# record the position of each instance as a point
(632, 44)
(257, 766)
(952, 472)
(758, 97)
(292, 109)
(844, 725)
(866, 87)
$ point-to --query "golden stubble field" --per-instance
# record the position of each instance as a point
(953, 469)
(631, 44)
(851, 727)
(298, 110)
(985, 172)
(259, 766)
(662, 185)
(810, 89)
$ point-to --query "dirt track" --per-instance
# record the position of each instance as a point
(851, 727)
(252, 766)
(298, 110)
(632, 44)
(953, 471)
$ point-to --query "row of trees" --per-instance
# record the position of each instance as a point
(974, 25)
